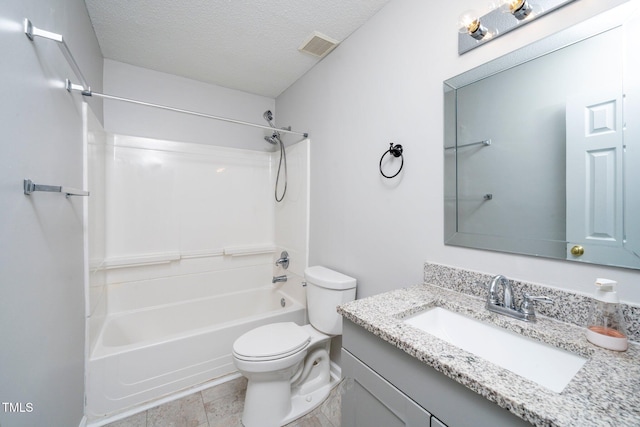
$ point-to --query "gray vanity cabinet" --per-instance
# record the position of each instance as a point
(436, 422)
(388, 387)
(370, 400)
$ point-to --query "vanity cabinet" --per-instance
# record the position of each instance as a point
(370, 400)
(388, 387)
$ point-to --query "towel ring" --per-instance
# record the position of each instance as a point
(395, 151)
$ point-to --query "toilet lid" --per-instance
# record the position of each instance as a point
(271, 341)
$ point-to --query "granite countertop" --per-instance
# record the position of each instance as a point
(605, 392)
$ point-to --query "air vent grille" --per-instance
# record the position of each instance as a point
(318, 44)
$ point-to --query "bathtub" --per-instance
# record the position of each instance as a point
(143, 355)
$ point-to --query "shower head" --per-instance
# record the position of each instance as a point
(275, 136)
(273, 139)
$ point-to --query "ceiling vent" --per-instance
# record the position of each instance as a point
(318, 45)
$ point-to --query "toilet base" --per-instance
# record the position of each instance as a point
(302, 404)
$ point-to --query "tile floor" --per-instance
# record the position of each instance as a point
(221, 406)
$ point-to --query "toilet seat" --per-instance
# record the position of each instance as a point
(271, 342)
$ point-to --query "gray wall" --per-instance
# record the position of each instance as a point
(42, 300)
(384, 84)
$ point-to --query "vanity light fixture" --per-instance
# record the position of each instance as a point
(520, 9)
(469, 23)
(476, 30)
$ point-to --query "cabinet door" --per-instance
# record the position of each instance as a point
(370, 400)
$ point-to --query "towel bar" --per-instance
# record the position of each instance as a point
(29, 187)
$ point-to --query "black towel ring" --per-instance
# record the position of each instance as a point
(395, 151)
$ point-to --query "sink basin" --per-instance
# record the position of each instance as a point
(546, 365)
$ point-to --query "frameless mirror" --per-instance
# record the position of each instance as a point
(542, 147)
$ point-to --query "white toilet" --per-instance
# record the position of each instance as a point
(288, 365)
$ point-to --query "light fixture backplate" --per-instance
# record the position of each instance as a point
(498, 23)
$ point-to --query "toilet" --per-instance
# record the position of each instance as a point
(287, 365)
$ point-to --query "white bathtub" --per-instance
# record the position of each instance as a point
(145, 354)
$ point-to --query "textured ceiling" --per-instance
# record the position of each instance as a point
(247, 45)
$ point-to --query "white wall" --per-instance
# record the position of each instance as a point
(292, 214)
(41, 266)
(96, 140)
(174, 209)
(141, 84)
(168, 197)
(191, 189)
(382, 85)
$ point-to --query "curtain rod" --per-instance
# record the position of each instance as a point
(31, 31)
(88, 92)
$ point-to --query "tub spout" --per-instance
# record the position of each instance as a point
(277, 279)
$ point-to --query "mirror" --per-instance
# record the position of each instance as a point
(542, 147)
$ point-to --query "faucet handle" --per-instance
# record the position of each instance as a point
(542, 298)
(527, 307)
(283, 260)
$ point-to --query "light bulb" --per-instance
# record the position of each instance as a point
(469, 23)
(520, 9)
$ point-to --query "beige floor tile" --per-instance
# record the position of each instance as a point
(137, 420)
(331, 407)
(232, 421)
(228, 388)
(222, 406)
(313, 419)
(186, 412)
(227, 408)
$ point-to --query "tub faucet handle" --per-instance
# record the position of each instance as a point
(283, 260)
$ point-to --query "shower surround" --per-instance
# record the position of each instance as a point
(182, 240)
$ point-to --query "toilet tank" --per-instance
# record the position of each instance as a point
(326, 290)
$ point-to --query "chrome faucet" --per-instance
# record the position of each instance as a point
(283, 260)
(277, 279)
(507, 292)
(507, 307)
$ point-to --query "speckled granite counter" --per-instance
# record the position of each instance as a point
(605, 392)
